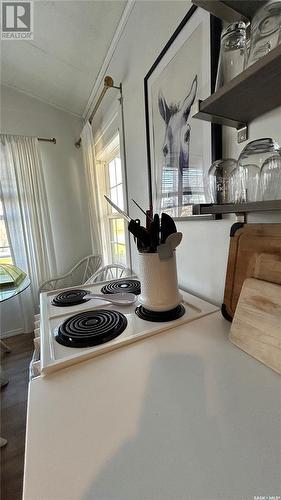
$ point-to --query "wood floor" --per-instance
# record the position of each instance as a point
(13, 414)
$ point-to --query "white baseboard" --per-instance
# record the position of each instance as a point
(11, 333)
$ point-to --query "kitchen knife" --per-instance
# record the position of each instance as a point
(121, 212)
(134, 227)
(167, 227)
(148, 219)
(154, 233)
(141, 209)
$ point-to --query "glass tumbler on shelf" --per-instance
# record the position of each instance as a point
(265, 30)
(271, 178)
(219, 180)
(233, 52)
(250, 163)
(250, 182)
(244, 183)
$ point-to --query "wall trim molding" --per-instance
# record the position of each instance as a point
(11, 333)
(120, 28)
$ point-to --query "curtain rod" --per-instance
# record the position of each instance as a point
(53, 139)
(108, 84)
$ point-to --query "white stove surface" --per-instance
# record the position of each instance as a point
(55, 356)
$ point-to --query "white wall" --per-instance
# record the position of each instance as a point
(63, 169)
(202, 256)
(63, 173)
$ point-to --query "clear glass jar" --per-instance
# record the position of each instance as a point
(250, 162)
(220, 180)
(232, 53)
(265, 30)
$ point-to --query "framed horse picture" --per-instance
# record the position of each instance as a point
(180, 149)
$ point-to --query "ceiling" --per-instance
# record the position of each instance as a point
(61, 64)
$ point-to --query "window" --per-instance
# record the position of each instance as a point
(116, 224)
(115, 230)
(5, 250)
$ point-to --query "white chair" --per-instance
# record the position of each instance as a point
(110, 272)
(78, 275)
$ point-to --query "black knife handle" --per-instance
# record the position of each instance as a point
(156, 221)
(168, 226)
(154, 233)
(139, 232)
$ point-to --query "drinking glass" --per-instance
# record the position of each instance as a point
(235, 186)
(265, 30)
(250, 163)
(271, 178)
(250, 180)
(219, 177)
(244, 184)
(232, 53)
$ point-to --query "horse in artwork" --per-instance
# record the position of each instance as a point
(177, 135)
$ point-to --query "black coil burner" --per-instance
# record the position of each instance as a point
(70, 298)
(91, 328)
(160, 316)
(128, 286)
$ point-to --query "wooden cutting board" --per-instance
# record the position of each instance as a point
(268, 268)
(247, 242)
(256, 326)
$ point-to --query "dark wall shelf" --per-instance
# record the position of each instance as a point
(236, 208)
(250, 94)
(230, 10)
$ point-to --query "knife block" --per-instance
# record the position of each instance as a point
(159, 282)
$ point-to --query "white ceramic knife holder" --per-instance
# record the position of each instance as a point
(159, 282)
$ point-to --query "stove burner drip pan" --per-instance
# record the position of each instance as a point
(70, 298)
(91, 328)
(126, 285)
(160, 316)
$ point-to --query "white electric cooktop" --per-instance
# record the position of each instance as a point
(55, 356)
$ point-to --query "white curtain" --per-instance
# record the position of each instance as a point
(92, 187)
(26, 209)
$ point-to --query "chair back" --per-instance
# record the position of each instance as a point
(78, 275)
(109, 272)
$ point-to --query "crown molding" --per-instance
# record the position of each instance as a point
(120, 28)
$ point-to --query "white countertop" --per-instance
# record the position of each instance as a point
(181, 415)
